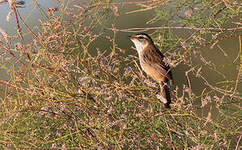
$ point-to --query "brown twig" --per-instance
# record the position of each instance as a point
(184, 28)
(12, 55)
(13, 86)
(240, 68)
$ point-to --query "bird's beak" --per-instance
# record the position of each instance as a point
(132, 37)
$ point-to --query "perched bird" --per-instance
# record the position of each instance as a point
(154, 63)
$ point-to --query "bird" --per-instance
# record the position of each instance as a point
(154, 64)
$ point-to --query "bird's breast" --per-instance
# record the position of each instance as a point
(152, 71)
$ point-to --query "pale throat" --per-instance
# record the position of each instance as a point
(139, 47)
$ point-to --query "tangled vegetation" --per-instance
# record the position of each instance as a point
(75, 87)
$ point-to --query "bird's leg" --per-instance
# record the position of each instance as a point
(162, 96)
(158, 90)
(162, 90)
(165, 94)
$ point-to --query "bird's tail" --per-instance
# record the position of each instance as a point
(165, 91)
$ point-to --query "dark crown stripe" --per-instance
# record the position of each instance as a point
(144, 35)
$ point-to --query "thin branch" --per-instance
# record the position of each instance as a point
(12, 55)
(237, 145)
(240, 68)
(13, 86)
(183, 28)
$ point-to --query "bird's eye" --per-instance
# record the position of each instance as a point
(141, 37)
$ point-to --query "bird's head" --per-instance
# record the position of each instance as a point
(141, 41)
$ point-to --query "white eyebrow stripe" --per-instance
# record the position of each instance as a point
(145, 37)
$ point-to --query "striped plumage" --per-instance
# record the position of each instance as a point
(154, 63)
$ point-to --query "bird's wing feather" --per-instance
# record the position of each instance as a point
(156, 59)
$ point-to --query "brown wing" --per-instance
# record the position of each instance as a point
(156, 59)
